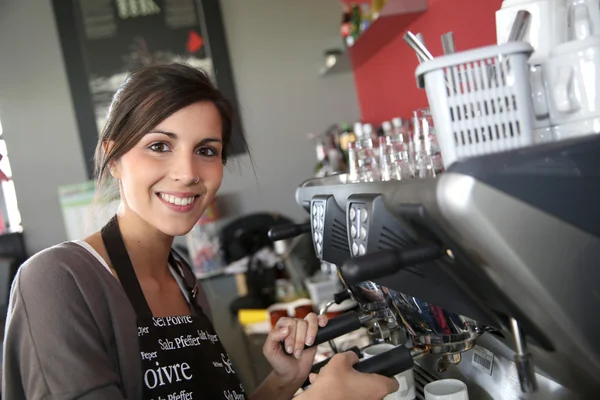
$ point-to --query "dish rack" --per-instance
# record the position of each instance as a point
(480, 100)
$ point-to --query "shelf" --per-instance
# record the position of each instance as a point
(393, 20)
(336, 63)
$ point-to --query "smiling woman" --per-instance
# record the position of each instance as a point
(96, 304)
(119, 315)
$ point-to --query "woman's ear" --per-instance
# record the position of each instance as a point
(113, 165)
(115, 170)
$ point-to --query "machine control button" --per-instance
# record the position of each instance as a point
(318, 248)
(363, 233)
(365, 215)
(353, 231)
(352, 213)
(315, 223)
(361, 250)
(314, 209)
(354, 248)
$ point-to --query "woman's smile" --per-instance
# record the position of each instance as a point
(179, 202)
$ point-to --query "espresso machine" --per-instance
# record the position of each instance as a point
(488, 273)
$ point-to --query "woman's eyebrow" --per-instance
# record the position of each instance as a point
(174, 136)
(169, 134)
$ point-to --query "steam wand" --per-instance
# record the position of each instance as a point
(525, 368)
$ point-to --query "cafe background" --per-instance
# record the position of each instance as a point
(267, 55)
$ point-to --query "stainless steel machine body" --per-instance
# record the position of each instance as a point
(519, 235)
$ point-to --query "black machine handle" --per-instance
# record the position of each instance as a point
(387, 262)
(317, 367)
(282, 232)
(390, 363)
(336, 327)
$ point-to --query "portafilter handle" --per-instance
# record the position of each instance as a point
(282, 232)
(338, 326)
(390, 363)
(387, 262)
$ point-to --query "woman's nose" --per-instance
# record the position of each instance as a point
(184, 169)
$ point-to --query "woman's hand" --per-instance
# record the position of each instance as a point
(293, 365)
(338, 380)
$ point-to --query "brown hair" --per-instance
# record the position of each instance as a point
(146, 98)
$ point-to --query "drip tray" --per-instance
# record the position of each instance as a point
(489, 373)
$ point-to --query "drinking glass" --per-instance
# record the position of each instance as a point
(425, 154)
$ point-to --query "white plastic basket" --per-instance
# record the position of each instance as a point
(480, 100)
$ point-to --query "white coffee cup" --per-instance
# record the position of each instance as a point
(572, 86)
(446, 389)
(406, 379)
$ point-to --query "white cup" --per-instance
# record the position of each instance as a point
(572, 84)
(446, 389)
(583, 19)
(406, 379)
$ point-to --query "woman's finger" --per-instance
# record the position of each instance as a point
(280, 333)
(312, 377)
(301, 329)
(322, 319)
(312, 329)
(290, 340)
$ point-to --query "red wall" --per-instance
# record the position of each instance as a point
(385, 80)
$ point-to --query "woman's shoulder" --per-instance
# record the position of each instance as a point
(63, 260)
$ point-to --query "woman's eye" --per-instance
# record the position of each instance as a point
(159, 147)
(207, 152)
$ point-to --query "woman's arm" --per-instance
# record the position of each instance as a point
(338, 380)
(53, 348)
(290, 369)
(275, 387)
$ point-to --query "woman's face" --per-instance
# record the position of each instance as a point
(173, 173)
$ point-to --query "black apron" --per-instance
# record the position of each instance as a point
(182, 357)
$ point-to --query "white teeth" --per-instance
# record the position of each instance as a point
(178, 201)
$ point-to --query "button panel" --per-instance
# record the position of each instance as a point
(318, 225)
(358, 221)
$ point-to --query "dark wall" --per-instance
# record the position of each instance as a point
(102, 40)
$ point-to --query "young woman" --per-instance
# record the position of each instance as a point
(118, 315)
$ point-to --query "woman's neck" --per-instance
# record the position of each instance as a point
(148, 248)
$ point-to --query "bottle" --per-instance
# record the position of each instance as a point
(400, 135)
(401, 128)
(368, 138)
(376, 7)
(365, 21)
(352, 163)
(358, 131)
(346, 28)
(346, 137)
(323, 167)
(354, 25)
(334, 155)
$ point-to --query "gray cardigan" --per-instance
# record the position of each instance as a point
(71, 330)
